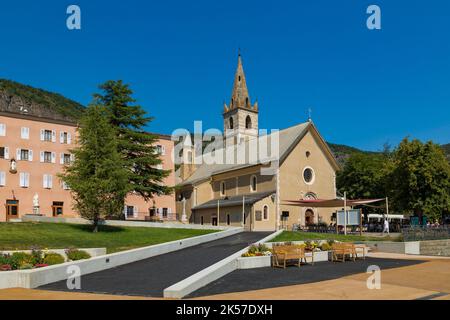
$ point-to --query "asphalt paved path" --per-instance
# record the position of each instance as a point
(151, 276)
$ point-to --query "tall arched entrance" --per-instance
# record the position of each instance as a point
(309, 217)
(309, 214)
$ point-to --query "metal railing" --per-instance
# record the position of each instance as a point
(419, 233)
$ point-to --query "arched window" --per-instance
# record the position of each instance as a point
(231, 123)
(222, 188)
(248, 122)
(266, 213)
(253, 184)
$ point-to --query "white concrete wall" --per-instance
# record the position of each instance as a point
(38, 277)
(93, 252)
(210, 274)
(121, 223)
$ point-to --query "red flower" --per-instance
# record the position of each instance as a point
(5, 267)
(42, 265)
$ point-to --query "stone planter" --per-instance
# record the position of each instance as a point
(319, 256)
(253, 262)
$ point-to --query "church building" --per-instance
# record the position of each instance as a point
(255, 194)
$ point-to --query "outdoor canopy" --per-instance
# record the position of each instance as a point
(332, 203)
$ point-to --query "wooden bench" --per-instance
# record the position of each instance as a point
(343, 249)
(284, 255)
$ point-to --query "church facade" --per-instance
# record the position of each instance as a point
(255, 194)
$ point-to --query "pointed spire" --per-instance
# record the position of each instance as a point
(240, 96)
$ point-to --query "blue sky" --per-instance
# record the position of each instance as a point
(365, 87)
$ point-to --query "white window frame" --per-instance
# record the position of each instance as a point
(24, 179)
(47, 181)
(25, 133)
(313, 179)
(2, 178)
(6, 153)
(2, 130)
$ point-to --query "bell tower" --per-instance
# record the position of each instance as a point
(240, 117)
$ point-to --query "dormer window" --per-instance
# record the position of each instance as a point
(253, 184)
(222, 188)
(231, 123)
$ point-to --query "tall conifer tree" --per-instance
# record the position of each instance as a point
(97, 178)
(136, 147)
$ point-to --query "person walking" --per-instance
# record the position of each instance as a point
(386, 226)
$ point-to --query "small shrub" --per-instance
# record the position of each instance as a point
(5, 259)
(262, 248)
(331, 242)
(74, 254)
(253, 249)
(37, 256)
(19, 258)
(53, 258)
(26, 266)
(325, 247)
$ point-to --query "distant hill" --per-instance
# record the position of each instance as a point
(446, 148)
(343, 152)
(19, 98)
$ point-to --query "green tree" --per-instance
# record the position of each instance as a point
(420, 179)
(135, 146)
(363, 176)
(97, 178)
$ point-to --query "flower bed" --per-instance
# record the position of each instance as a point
(38, 258)
(257, 250)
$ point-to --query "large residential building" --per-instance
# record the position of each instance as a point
(34, 147)
(255, 194)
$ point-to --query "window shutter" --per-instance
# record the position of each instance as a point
(163, 150)
(42, 134)
(41, 157)
(2, 178)
(18, 154)
(61, 137)
(61, 158)
(72, 157)
(44, 181)
(26, 179)
(135, 212)
(53, 157)
(69, 138)
(53, 136)
(2, 129)
(50, 181)
(125, 211)
(22, 179)
(30, 155)
(25, 133)
(6, 153)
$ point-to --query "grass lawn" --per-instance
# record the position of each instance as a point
(23, 236)
(287, 236)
